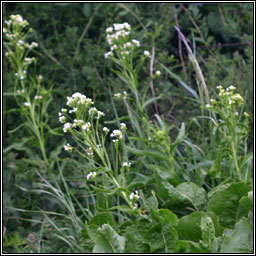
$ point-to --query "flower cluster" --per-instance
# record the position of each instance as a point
(67, 147)
(16, 20)
(121, 95)
(127, 164)
(134, 197)
(79, 104)
(91, 175)
(228, 98)
(78, 99)
(118, 40)
(89, 151)
(116, 134)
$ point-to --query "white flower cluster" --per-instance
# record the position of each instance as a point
(89, 151)
(147, 54)
(38, 97)
(67, 147)
(227, 96)
(27, 104)
(105, 129)
(117, 134)
(78, 99)
(86, 127)
(67, 127)
(136, 197)
(128, 164)
(16, 20)
(120, 95)
(21, 91)
(91, 175)
(118, 39)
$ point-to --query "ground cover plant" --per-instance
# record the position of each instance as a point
(125, 130)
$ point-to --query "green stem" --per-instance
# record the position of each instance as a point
(235, 159)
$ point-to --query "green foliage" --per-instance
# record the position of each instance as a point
(167, 167)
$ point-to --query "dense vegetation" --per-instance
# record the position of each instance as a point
(127, 128)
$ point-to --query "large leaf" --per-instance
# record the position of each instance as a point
(145, 237)
(241, 239)
(209, 240)
(225, 202)
(189, 227)
(186, 194)
(245, 205)
(108, 241)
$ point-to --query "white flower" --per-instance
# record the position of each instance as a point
(118, 26)
(113, 47)
(109, 30)
(127, 26)
(105, 129)
(231, 87)
(107, 54)
(73, 110)
(62, 119)
(158, 73)
(20, 42)
(33, 44)
(117, 133)
(128, 44)
(40, 77)
(123, 126)
(134, 195)
(207, 105)
(38, 97)
(99, 114)
(27, 104)
(91, 174)
(89, 151)
(236, 113)
(86, 127)
(92, 111)
(67, 127)
(67, 147)
(128, 164)
(118, 95)
(147, 53)
(136, 42)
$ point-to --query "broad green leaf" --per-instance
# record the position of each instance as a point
(168, 217)
(165, 173)
(245, 205)
(134, 240)
(186, 194)
(102, 218)
(196, 194)
(241, 239)
(161, 238)
(108, 241)
(225, 202)
(189, 226)
(208, 235)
